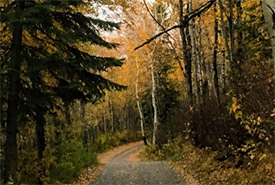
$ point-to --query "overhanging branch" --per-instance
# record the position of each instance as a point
(156, 36)
(192, 15)
(153, 17)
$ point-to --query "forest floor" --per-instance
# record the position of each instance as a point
(121, 165)
(199, 166)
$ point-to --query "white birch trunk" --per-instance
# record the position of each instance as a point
(155, 129)
(142, 120)
(268, 14)
(155, 110)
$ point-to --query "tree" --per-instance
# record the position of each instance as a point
(215, 53)
(142, 120)
(167, 96)
(185, 38)
(42, 67)
(186, 49)
(154, 104)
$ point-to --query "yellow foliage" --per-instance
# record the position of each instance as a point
(235, 106)
(204, 169)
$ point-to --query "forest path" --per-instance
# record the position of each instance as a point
(124, 168)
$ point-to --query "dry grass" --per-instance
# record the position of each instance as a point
(198, 166)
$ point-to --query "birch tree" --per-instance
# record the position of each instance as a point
(155, 123)
(142, 120)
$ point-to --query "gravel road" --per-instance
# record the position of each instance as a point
(122, 168)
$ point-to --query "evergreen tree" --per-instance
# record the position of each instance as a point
(42, 67)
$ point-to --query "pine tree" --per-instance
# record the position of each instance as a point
(42, 67)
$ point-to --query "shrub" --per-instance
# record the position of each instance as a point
(169, 151)
(74, 157)
(111, 140)
(64, 172)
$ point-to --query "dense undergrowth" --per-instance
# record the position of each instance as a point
(203, 165)
(111, 140)
(64, 163)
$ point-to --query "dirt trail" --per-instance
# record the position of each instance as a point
(123, 168)
(121, 153)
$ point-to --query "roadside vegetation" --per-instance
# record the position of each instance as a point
(65, 163)
(202, 166)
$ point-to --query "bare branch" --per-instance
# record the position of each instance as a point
(270, 8)
(273, 15)
(210, 2)
(148, 10)
(192, 15)
(156, 36)
(171, 44)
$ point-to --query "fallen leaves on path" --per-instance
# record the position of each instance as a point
(134, 157)
(88, 175)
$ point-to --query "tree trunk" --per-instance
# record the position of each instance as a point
(186, 55)
(142, 120)
(85, 131)
(223, 72)
(125, 111)
(269, 14)
(194, 58)
(204, 88)
(239, 24)
(40, 134)
(13, 100)
(199, 67)
(103, 118)
(111, 111)
(225, 34)
(155, 129)
(216, 76)
(231, 32)
(41, 143)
